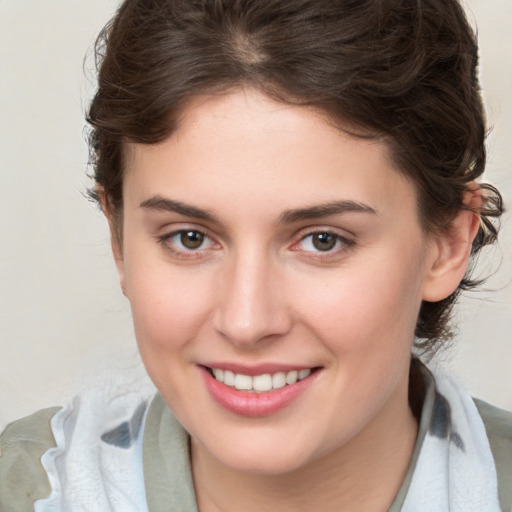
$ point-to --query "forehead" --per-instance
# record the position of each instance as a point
(242, 148)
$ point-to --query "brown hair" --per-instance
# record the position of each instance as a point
(403, 71)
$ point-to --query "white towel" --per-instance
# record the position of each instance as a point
(455, 470)
(97, 464)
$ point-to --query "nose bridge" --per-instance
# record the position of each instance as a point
(250, 303)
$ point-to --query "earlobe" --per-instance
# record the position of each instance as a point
(115, 236)
(451, 250)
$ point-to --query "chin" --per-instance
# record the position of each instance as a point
(265, 464)
(263, 453)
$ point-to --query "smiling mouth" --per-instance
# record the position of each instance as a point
(259, 383)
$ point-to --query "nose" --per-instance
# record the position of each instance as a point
(251, 305)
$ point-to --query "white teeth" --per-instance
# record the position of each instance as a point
(259, 383)
(262, 382)
(291, 377)
(279, 380)
(219, 374)
(304, 373)
(229, 378)
(243, 382)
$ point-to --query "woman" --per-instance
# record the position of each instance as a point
(292, 193)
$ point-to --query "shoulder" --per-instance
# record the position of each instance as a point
(60, 457)
(22, 445)
(498, 425)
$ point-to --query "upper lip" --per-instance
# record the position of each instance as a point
(259, 369)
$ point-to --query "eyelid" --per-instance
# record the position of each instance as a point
(164, 240)
(348, 242)
(314, 230)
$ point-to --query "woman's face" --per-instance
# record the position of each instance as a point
(264, 245)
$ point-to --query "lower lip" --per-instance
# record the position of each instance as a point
(255, 404)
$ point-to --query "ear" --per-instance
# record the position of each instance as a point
(116, 241)
(452, 248)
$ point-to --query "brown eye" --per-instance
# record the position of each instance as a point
(188, 243)
(191, 239)
(329, 243)
(324, 241)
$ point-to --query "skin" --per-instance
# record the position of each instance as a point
(258, 291)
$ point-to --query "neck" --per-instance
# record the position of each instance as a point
(362, 475)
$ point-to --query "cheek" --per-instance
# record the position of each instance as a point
(169, 307)
(364, 306)
(365, 319)
(169, 311)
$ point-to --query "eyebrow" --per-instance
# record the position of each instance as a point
(159, 203)
(324, 210)
(163, 204)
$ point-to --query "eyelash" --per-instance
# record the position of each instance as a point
(346, 244)
(165, 241)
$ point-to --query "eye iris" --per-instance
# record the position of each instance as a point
(191, 239)
(324, 241)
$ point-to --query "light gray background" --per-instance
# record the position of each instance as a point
(64, 324)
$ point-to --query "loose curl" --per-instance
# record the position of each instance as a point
(400, 71)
